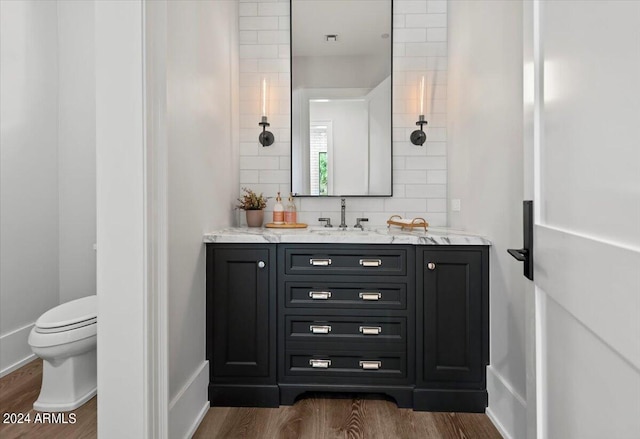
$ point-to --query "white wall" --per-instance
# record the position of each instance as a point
(486, 174)
(48, 164)
(29, 172)
(76, 149)
(121, 220)
(419, 174)
(202, 178)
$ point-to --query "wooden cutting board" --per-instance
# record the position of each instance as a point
(286, 226)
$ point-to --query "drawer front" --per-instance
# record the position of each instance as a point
(346, 329)
(345, 295)
(352, 365)
(356, 262)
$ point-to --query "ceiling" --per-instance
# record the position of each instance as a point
(359, 25)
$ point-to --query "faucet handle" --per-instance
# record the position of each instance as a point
(358, 221)
(326, 220)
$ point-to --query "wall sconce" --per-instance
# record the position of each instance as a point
(418, 137)
(265, 138)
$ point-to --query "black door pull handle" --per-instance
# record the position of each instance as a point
(525, 254)
(520, 254)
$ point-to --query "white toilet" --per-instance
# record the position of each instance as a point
(65, 338)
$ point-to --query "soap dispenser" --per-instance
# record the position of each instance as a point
(278, 211)
(290, 214)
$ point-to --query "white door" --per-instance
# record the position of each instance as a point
(582, 160)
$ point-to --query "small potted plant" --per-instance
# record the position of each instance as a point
(253, 205)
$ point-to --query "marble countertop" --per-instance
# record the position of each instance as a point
(319, 234)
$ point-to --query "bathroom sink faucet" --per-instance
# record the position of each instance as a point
(343, 208)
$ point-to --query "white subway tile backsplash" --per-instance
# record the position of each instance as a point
(284, 23)
(404, 204)
(426, 21)
(436, 148)
(403, 176)
(273, 9)
(273, 37)
(409, 35)
(426, 191)
(248, 37)
(258, 51)
(427, 162)
(248, 9)
(249, 176)
(435, 176)
(409, 7)
(261, 162)
(437, 205)
(258, 23)
(426, 49)
(437, 34)
(274, 176)
(420, 48)
(437, 6)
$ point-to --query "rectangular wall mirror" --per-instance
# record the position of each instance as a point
(341, 97)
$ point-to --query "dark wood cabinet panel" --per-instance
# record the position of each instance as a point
(348, 318)
(241, 316)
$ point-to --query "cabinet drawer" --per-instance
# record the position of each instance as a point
(346, 329)
(345, 295)
(352, 365)
(344, 261)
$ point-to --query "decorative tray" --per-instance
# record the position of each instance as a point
(397, 220)
(286, 226)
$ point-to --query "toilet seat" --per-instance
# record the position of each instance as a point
(66, 327)
(70, 315)
(66, 323)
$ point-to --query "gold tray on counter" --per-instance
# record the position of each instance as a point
(286, 226)
(397, 220)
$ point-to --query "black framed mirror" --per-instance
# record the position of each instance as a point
(341, 97)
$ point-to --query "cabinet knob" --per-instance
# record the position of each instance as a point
(431, 265)
(261, 264)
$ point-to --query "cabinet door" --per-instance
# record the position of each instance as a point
(241, 305)
(453, 304)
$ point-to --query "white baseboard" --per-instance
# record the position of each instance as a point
(507, 408)
(14, 350)
(190, 405)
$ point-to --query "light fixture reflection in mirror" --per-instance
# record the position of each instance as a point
(265, 138)
(418, 137)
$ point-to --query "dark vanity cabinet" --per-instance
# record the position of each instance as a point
(452, 304)
(408, 321)
(241, 325)
(346, 319)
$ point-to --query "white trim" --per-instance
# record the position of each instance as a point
(507, 408)
(17, 365)
(156, 200)
(496, 423)
(191, 399)
(15, 349)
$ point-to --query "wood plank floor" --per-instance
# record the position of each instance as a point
(20, 389)
(317, 417)
(326, 417)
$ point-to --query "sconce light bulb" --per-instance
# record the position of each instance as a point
(264, 97)
(422, 95)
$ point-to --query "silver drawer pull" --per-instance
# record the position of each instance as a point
(320, 329)
(321, 364)
(370, 262)
(320, 295)
(371, 365)
(370, 296)
(320, 262)
(370, 330)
